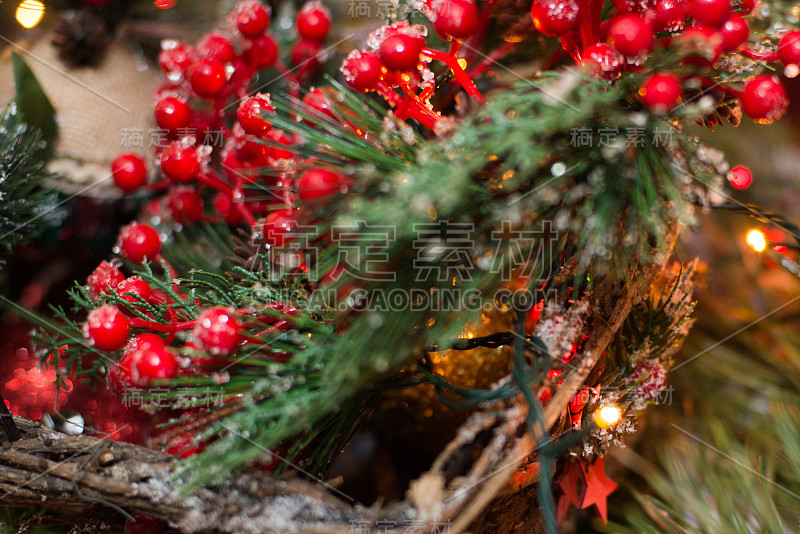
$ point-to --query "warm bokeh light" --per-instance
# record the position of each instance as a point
(30, 13)
(607, 415)
(740, 177)
(757, 240)
(164, 4)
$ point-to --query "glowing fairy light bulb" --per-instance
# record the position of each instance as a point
(29, 13)
(607, 415)
(757, 240)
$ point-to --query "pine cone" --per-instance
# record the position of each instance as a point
(81, 37)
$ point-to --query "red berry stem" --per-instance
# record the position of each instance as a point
(766, 57)
(586, 24)
(570, 46)
(461, 75)
(418, 110)
(493, 57)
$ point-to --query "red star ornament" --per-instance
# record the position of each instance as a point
(598, 488)
(573, 484)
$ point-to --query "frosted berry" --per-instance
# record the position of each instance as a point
(456, 18)
(278, 227)
(305, 53)
(602, 61)
(251, 18)
(179, 162)
(207, 77)
(313, 22)
(740, 177)
(129, 171)
(251, 114)
(710, 13)
(175, 58)
(669, 15)
(317, 104)
(137, 241)
(262, 52)
(661, 92)
(217, 47)
(185, 205)
(118, 378)
(789, 48)
(279, 137)
(631, 36)
(734, 32)
(319, 185)
(400, 51)
(217, 331)
(133, 287)
(700, 46)
(764, 99)
(155, 362)
(363, 70)
(103, 278)
(142, 342)
(107, 328)
(172, 113)
(554, 18)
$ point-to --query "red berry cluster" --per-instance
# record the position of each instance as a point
(607, 46)
(207, 91)
(398, 58)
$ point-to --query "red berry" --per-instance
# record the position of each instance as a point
(207, 77)
(734, 32)
(130, 172)
(313, 22)
(251, 18)
(318, 106)
(701, 46)
(118, 378)
(400, 51)
(179, 162)
(789, 48)
(175, 58)
(661, 92)
(217, 331)
(602, 61)
(143, 341)
(144, 524)
(631, 36)
(185, 205)
(251, 114)
(363, 71)
(137, 241)
(224, 206)
(155, 362)
(305, 53)
(669, 15)
(103, 278)
(319, 185)
(740, 177)
(710, 13)
(107, 328)
(173, 113)
(262, 53)
(280, 138)
(277, 225)
(217, 47)
(764, 99)
(747, 6)
(456, 18)
(554, 18)
(133, 287)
